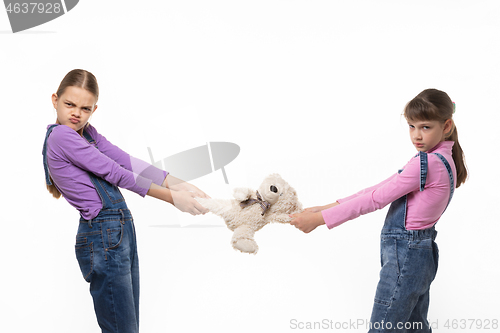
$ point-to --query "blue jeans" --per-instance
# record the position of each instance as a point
(107, 254)
(409, 265)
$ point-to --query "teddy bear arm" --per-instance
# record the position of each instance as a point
(242, 193)
(281, 218)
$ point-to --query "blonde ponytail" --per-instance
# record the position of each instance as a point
(53, 190)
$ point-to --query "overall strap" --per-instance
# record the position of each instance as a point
(89, 138)
(110, 195)
(423, 169)
(450, 174)
(44, 153)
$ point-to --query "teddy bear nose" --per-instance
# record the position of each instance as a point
(273, 189)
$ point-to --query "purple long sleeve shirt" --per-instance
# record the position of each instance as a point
(70, 157)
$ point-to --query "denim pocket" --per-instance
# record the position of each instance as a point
(389, 256)
(425, 244)
(85, 256)
(115, 236)
(391, 261)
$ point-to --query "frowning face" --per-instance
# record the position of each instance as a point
(74, 107)
(426, 134)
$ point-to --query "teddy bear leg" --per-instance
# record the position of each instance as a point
(243, 239)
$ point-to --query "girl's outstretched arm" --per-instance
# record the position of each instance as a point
(177, 184)
(184, 200)
(310, 218)
(317, 209)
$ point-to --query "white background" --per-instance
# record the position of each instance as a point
(313, 90)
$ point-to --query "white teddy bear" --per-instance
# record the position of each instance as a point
(251, 210)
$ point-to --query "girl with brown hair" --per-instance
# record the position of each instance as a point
(419, 194)
(87, 170)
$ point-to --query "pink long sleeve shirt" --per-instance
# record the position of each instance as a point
(424, 208)
(70, 157)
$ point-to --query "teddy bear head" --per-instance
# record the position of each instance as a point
(279, 194)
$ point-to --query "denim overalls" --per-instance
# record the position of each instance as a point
(107, 254)
(409, 261)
